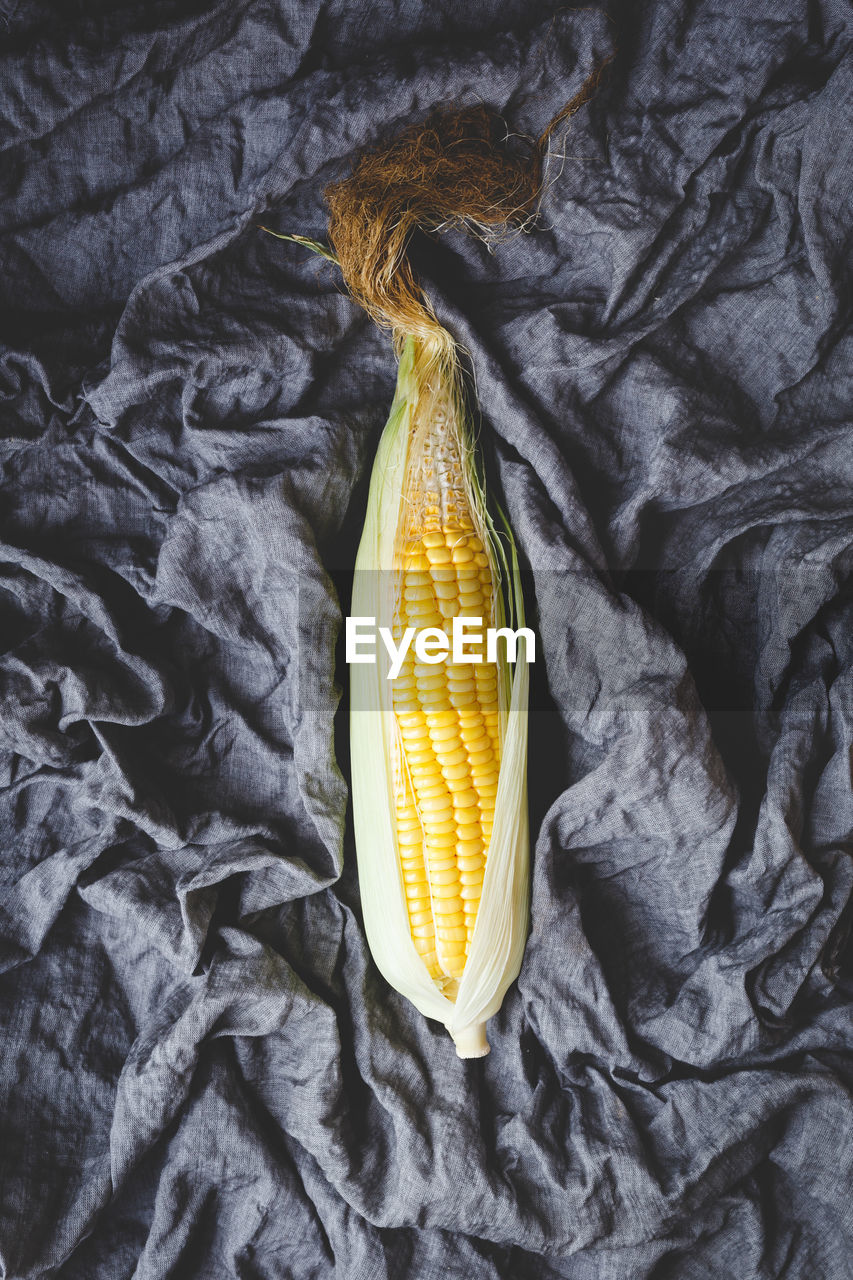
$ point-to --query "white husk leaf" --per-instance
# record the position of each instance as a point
(501, 929)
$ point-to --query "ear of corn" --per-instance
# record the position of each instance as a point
(439, 754)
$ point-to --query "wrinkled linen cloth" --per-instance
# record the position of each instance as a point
(203, 1074)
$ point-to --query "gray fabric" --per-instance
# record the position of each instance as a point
(203, 1075)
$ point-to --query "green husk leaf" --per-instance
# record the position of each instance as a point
(316, 246)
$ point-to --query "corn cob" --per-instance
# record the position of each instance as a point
(438, 753)
(447, 716)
